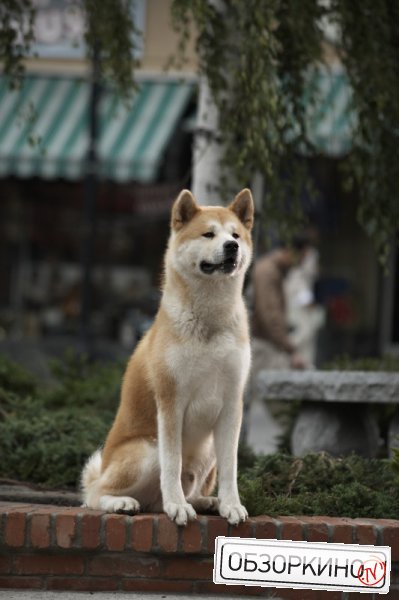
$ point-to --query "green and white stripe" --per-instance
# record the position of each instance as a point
(133, 138)
(329, 120)
(132, 141)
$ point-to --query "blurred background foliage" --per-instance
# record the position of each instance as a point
(257, 56)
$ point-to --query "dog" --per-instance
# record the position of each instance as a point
(181, 401)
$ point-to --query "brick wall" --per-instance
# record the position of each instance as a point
(60, 548)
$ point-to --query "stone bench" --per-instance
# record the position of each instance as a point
(335, 414)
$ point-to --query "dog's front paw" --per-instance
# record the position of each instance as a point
(180, 513)
(234, 513)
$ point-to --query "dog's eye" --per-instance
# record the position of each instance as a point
(235, 236)
(208, 234)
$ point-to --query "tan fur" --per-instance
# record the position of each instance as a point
(182, 389)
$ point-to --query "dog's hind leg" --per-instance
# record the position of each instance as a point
(198, 484)
(119, 504)
(128, 482)
(205, 502)
(210, 482)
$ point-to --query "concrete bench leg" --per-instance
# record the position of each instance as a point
(393, 434)
(336, 428)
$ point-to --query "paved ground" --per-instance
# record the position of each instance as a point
(38, 595)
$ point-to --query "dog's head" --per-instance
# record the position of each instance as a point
(212, 241)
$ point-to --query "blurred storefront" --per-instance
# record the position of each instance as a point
(143, 157)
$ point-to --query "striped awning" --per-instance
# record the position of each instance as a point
(44, 128)
(330, 121)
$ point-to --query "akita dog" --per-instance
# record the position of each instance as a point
(181, 402)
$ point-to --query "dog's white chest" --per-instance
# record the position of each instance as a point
(207, 375)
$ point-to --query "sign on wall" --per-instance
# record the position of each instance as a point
(60, 25)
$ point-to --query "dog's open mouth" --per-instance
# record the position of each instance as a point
(227, 266)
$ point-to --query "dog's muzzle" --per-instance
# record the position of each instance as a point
(229, 263)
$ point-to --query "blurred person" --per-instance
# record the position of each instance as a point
(272, 346)
(304, 316)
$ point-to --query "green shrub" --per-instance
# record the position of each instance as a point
(318, 484)
(49, 448)
(15, 379)
(46, 433)
(83, 383)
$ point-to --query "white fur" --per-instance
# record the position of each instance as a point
(187, 257)
(119, 504)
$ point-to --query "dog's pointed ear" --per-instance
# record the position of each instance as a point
(183, 210)
(243, 207)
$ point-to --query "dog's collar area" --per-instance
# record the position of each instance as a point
(227, 266)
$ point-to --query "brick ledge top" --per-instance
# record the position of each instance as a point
(40, 527)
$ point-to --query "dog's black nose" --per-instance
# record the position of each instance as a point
(230, 248)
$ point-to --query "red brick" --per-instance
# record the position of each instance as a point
(115, 532)
(5, 564)
(265, 528)
(125, 565)
(216, 526)
(15, 529)
(375, 522)
(28, 583)
(390, 537)
(83, 584)
(242, 530)
(167, 534)
(365, 533)
(48, 564)
(65, 530)
(384, 522)
(191, 537)
(40, 530)
(153, 585)
(341, 530)
(45, 509)
(317, 530)
(90, 527)
(142, 533)
(291, 529)
(6, 507)
(188, 568)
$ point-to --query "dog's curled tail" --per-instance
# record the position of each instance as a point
(90, 475)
